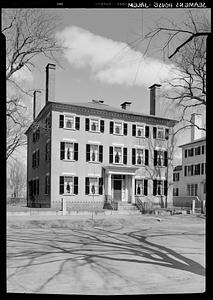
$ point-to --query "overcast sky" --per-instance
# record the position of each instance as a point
(104, 61)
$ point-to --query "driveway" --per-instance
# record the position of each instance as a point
(111, 255)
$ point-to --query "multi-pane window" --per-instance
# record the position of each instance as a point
(197, 169)
(191, 152)
(175, 191)
(36, 134)
(93, 186)
(160, 133)
(118, 128)
(94, 125)
(203, 149)
(68, 185)
(197, 150)
(48, 122)
(160, 158)
(159, 187)
(140, 130)
(69, 122)
(140, 156)
(94, 153)
(47, 150)
(35, 158)
(176, 176)
(190, 171)
(141, 187)
(117, 155)
(69, 151)
(47, 184)
(192, 189)
(33, 187)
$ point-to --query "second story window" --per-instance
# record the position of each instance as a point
(176, 176)
(117, 155)
(140, 156)
(94, 153)
(47, 151)
(160, 158)
(69, 151)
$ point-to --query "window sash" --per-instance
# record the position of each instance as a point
(140, 156)
(118, 126)
(140, 131)
(139, 187)
(160, 133)
(93, 186)
(69, 122)
(94, 125)
(69, 151)
(68, 185)
(94, 153)
(117, 155)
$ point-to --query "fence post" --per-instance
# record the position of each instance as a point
(193, 206)
(64, 209)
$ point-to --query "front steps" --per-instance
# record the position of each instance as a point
(128, 208)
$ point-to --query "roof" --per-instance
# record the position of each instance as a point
(193, 142)
(99, 105)
(107, 107)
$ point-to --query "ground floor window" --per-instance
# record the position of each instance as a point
(175, 191)
(141, 186)
(159, 187)
(47, 184)
(68, 185)
(93, 186)
(192, 189)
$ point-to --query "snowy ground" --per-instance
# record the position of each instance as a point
(110, 255)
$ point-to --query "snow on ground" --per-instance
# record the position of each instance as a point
(106, 255)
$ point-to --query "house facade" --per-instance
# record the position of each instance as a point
(190, 178)
(92, 153)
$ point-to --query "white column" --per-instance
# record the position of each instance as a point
(133, 189)
(126, 188)
(109, 185)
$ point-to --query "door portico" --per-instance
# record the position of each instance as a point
(120, 183)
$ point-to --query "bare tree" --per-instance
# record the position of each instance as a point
(17, 179)
(175, 36)
(185, 43)
(29, 33)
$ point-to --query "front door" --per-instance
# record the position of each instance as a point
(117, 189)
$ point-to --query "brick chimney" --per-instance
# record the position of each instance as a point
(196, 119)
(36, 103)
(154, 89)
(50, 82)
(126, 105)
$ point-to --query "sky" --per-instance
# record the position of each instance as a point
(104, 59)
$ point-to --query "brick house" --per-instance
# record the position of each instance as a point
(94, 153)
